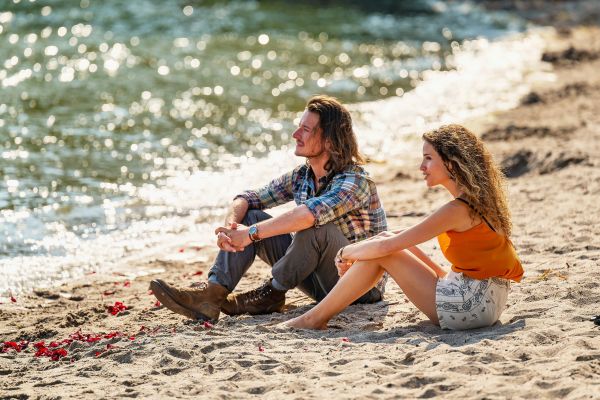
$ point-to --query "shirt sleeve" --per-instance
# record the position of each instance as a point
(278, 191)
(348, 192)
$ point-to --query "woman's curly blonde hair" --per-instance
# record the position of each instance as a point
(472, 167)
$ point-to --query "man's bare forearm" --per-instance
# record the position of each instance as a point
(297, 219)
(237, 212)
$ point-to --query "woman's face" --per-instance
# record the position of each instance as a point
(433, 168)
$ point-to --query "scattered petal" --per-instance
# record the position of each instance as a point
(57, 354)
(208, 325)
(116, 308)
(126, 284)
(12, 298)
(181, 250)
(345, 339)
(11, 345)
(109, 292)
(157, 304)
(260, 348)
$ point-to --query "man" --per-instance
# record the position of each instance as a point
(336, 204)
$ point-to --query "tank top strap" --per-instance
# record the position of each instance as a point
(480, 214)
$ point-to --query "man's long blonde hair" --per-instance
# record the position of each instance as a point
(473, 169)
(336, 122)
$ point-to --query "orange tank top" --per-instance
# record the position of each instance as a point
(481, 253)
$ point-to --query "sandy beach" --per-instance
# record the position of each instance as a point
(544, 346)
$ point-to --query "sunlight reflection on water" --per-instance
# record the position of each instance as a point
(121, 124)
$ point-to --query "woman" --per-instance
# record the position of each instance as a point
(473, 231)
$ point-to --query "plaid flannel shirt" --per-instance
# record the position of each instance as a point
(349, 199)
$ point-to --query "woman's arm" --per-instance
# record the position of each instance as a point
(446, 218)
(439, 271)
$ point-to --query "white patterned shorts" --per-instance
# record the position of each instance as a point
(466, 303)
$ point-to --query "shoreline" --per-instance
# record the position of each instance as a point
(384, 133)
(543, 347)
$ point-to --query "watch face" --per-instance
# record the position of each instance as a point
(253, 233)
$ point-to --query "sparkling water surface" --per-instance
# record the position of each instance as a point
(124, 123)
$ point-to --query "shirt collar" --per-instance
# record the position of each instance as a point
(323, 179)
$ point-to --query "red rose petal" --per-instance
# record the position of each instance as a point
(116, 308)
(208, 325)
(345, 339)
(11, 345)
(181, 250)
(260, 348)
(12, 298)
(108, 292)
(126, 284)
(57, 354)
(157, 304)
(197, 273)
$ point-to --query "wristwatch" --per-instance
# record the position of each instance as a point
(253, 233)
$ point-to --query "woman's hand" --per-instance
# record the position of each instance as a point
(342, 264)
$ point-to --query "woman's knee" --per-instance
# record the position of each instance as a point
(395, 257)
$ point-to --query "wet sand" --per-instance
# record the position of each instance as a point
(544, 346)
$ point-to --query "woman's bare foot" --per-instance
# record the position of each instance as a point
(304, 322)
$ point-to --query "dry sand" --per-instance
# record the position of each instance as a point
(543, 347)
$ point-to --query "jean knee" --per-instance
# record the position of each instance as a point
(304, 234)
(321, 232)
(254, 216)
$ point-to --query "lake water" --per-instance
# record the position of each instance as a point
(125, 125)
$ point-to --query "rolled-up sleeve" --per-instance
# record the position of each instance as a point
(348, 192)
(276, 192)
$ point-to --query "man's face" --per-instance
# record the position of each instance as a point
(309, 136)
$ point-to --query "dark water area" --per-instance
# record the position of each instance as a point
(102, 98)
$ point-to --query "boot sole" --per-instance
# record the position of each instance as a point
(163, 295)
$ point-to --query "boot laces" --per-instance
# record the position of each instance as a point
(199, 285)
(257, 294)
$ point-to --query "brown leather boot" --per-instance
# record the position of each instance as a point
(262, 300)
(201, 303)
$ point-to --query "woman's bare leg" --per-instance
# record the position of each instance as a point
(417, 281)
(358, 280)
